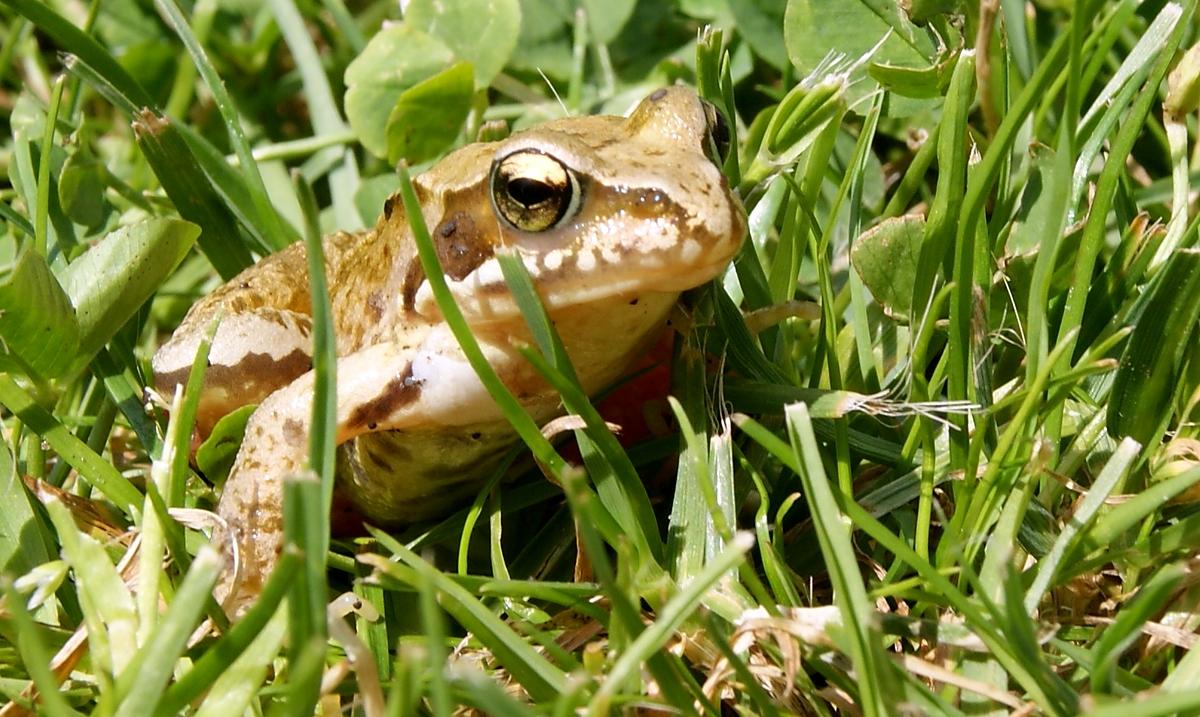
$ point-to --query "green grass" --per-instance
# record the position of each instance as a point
(932, 440)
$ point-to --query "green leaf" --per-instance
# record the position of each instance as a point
(919, 82)
(177, 165)
(215, 455)
(816, 29)
(112, 280)
(81, 187)
(37, 326)
(429, 115)
(922, 10)
(606, 18)
(1157, 350)
(24, 543)
(545, 40)
(760, 23)
(885, 257)
(397, 58)
(482, 32)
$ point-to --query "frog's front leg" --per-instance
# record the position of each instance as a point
(428, 390)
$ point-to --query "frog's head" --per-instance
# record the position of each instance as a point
(596, 207)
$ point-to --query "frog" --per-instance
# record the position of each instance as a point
(613, 217)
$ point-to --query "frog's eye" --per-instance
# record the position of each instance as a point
(534, 191)
(718, 134)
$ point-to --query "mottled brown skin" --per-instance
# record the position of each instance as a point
(416, 430)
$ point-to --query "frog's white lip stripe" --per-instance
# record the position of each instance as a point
(483, 294)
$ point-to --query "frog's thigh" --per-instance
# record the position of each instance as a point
(254, 353)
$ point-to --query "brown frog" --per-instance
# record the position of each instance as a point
(613, 217)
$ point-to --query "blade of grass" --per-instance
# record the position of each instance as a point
(35, 656)
(144, 680)
(875, 679)
(521, 422)
(91, 466)
(80, 43)
(980, 510)
(191, 192)
(217, 658)
(266, 215)
(629, 502)
(686, 528)
(670, 618)
(626, 622)
(1106, 189)
(343, 181)
(42, 211)
(233, 686)
(1116, 468)
(474, 688)
(434, 629)
(541, 678)
(305, 527)
(1149, 602)
(1110, 526)
(1042, 684)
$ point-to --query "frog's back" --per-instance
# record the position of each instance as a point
(363, 283)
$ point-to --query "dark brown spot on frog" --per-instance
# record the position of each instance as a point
(294, 433)
(390, 206)
(412, 281)
(658, 94)
(400, 391)
(461, 246)
(376, 304)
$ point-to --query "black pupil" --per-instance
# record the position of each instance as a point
(529, 192)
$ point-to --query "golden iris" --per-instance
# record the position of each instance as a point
(533, 191)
